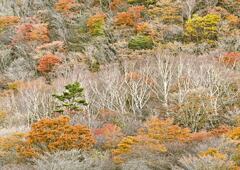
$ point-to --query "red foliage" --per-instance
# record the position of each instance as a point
(231, 58)
(109, 135)
(47, 62)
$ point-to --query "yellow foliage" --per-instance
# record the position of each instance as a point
(6, 21)
(214, 153)
(199, 29)
(234, 133)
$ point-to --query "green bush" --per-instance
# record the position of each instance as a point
(141, 42)
(202, 29)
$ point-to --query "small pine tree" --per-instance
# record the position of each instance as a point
(72, 99)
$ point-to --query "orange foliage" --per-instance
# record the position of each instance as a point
(49, 135)
(95, 24)
(234, 133)
(6, 21)
(231, 58)
(115, 4)
(151, 138)
(124, 18)
(47, 62)
(165, 131)
(203, 135)
(136, 12)
(233, 20)
(32, 32)
(144, 28)
(65, 5)
(130, 17)
(214, 153)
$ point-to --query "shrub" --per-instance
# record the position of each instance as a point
(9, 148)
(234, 133)
(32, 32)
(143, 28)
(51, 135)
(6, 21)
(231, 59)
(233, 20)
(124, 18)
(71, 100)
(132, 16)
(108, 136)
(95, 24)
(47, 62)
(171, 13)
(195, 112)
(141, 42)
(151, 139)
(117, 4)
(214, 152)
(199, 29)
(65, 6)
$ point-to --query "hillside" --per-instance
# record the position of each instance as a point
(119, 84)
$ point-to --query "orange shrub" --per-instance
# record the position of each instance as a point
(165, 131)
(233, 20)
(115, 4)
(203, 135)
(124, 18)
(6, 21)
(231, 58)
(151, 138)
(214, 152)
(96, 23)
(32, 32)
(144, 28)
(136, 12)
(130, 17)
(65, 5)
(47, 62)
(50, 135)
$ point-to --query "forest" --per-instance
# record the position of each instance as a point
(120, 84)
